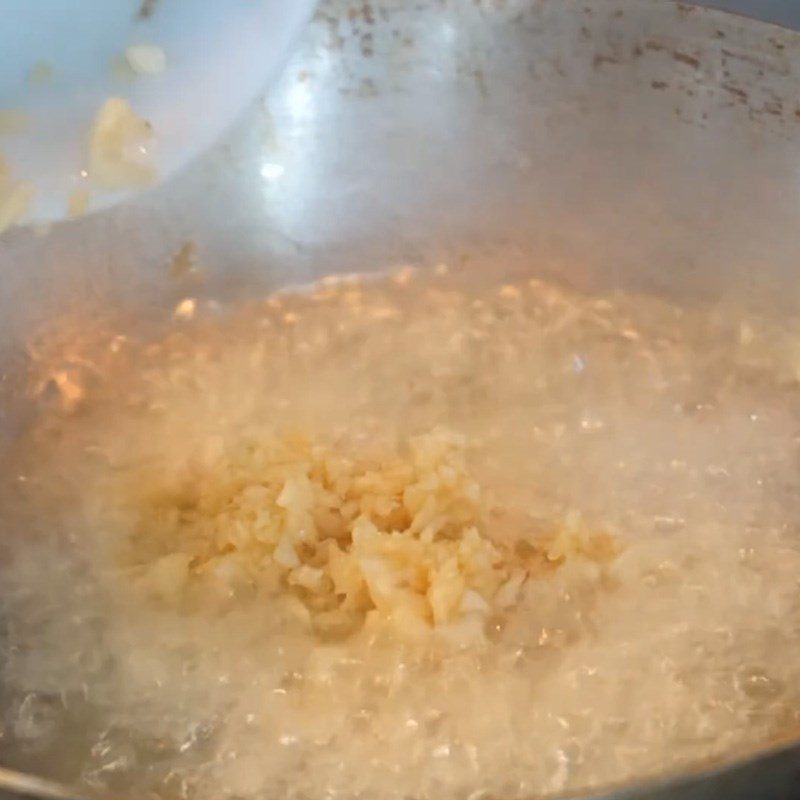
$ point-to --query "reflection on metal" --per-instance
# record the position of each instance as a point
(271, 171)
(16, 785)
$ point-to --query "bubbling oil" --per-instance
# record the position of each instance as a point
(673, 429)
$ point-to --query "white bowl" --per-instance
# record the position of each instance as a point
(219, 55)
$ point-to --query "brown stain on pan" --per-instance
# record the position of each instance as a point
(685, 58)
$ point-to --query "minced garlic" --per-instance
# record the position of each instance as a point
(119, 154)
(15, 197)
(13, 122)
(146, 59)
(399, 541)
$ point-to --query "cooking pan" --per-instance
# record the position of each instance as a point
(640, 145)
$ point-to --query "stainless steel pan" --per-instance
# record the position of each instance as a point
(638, 144)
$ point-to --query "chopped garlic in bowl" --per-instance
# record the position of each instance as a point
(119, 147)
(146, 59)
(15, 197)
